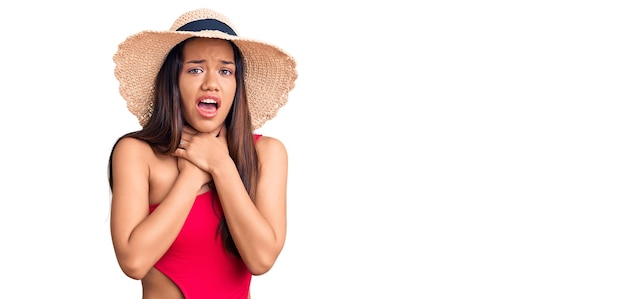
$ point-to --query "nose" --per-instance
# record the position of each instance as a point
(210, 82)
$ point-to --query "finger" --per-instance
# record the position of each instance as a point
(184, 138)
(179, 152)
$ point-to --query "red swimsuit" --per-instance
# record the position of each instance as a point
(197, 262)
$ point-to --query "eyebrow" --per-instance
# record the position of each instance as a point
(203, 61)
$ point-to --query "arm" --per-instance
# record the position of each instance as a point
(258, 229)
(139, 238)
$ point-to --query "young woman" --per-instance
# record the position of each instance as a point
(199, 199)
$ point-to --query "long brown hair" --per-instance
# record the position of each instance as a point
(164, 128)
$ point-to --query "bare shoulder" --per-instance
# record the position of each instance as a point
(267, 145)
(273, 165)
(129, 147)
(130, 166)
(271, 149)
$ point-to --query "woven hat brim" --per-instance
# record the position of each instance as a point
(270, 72)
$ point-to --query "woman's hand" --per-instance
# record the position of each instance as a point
(204, 150)
(186, 165)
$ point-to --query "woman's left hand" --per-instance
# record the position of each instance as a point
(205, 150)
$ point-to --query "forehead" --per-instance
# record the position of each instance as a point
(208, 46)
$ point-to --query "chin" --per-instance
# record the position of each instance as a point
(207, 127)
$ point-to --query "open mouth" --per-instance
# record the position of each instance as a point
(208, 105)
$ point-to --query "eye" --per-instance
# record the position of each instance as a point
(226, 72)
(195, 70)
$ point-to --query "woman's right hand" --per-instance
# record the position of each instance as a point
(206, 150)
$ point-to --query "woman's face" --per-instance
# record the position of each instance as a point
(207, 83)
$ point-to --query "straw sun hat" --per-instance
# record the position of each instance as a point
(270, 72)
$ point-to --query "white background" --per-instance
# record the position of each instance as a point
(438, 149)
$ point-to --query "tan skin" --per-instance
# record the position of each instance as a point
(143, 177)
